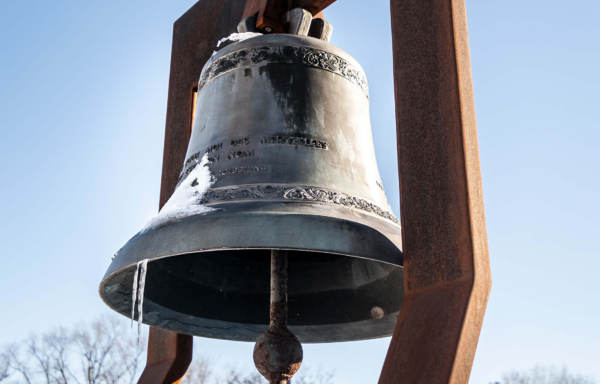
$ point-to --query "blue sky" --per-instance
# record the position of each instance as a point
(82, 109)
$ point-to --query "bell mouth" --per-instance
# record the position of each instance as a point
(280, 157)
(345, 277)
(225, 295)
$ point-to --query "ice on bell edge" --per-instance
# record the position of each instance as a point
(137, 293)
(186, 200)
(143, 266)
(235, 38)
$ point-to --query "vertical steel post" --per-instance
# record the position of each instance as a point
(194, 37)
(446, 262)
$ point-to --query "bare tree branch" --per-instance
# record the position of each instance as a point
(110, 354)
(545, 375)
(40, 354)
(106, 351)
(60, 344)
(235, 377)
(4, 366)
(305, 376)
(197, 373)
(16, 364)
(320, 377)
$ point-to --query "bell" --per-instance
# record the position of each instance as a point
(281, 158)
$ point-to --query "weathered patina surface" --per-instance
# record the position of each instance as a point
(270, 13)
(447, 275)
(281, 156)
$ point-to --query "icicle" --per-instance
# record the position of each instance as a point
(134, 290)
(143, 266)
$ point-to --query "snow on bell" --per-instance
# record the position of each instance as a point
(281, 157)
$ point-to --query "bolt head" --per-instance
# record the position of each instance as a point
(377, 313)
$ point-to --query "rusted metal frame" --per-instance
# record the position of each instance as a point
(270, 13)
(313, 6)
(446, 261)
(169, 355)
(194, 37)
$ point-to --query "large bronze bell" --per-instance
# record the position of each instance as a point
(281, 157)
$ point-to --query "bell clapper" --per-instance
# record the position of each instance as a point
(278, 353)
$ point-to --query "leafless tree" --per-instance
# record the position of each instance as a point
(4, 367)
(198, 372)
(106, 351)
(307, 377)
(58, 344)
(17, 366)
(318, 377)
(545, 375)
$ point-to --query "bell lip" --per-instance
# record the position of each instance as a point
(110, 274)
(270, 211)
(303, 332)
(204, 330)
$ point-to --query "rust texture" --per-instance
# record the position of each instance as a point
(447, 275)
(194, 37)
(277, 355)
(313, 6)
(270, 13)
(278, 312)
(169, 355)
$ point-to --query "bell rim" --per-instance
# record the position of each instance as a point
(302, 330)
(270, 210)
(384, 326)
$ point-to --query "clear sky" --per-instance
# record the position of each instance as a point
(83, 91)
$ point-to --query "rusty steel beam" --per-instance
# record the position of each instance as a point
(268, 16)
(270, 13)
(169, 355)
(313, 6)
(194, 37)
(447, 273)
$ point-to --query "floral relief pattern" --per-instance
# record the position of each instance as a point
(284, 55)
(294, 193)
